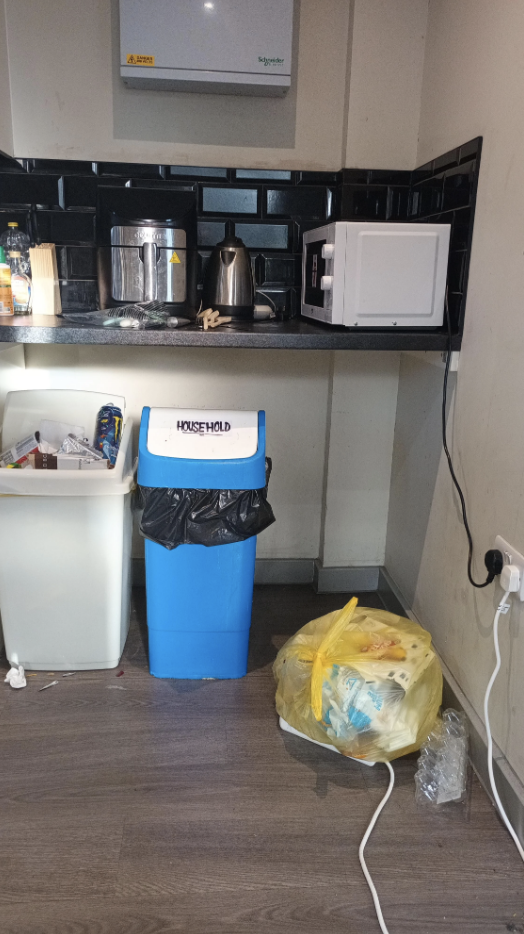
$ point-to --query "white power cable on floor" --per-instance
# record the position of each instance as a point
(503, 607)
(362, 847)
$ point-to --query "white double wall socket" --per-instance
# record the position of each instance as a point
(512, 556)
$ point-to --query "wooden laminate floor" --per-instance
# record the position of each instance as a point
(178, 806)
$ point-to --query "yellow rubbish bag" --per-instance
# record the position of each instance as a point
(365, 681)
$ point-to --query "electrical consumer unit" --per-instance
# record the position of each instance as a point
(374, 275)
(211, 46)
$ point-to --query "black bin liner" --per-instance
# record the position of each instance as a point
(173, 517)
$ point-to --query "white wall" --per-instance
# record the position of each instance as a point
(78, 107)
(385, 83)
(363, 405)
(6, 117)
(292, 386)
(12, 370)
(473, 84)
(69, 102)
(12, 377)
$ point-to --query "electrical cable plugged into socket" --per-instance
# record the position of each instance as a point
(514, 558)
(511, 579)
(504, 562)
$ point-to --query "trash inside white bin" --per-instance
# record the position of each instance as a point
(65, 573)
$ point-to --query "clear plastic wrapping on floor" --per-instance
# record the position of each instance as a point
(442, 765)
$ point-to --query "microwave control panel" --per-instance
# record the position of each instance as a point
(322, 265)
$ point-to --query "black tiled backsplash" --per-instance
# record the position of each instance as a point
(422, 172)
(229, 200)
(278, 270)
(78, 191)
(397, 203)
(29, 189)
(318, 178)
(426, 197)
(111, 181)
(364, 202)
(299, 202)
(210, 232)
(21, 217)
(270, 208)
(444, 191)
(77, 294)
(165, 184)
(374, 194)
(469, 150)
(130, 169)
(457, 187)
(456, 271)
(375, 177)
(265, 236)
(60, 166)
(388, 177)
(76, 262)
(62, 227)
(199, 172)
(447, 161)
(272, 175)
(10, 165)
(461, 228)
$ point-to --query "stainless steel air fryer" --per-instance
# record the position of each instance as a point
(147, 247)
(148, 263)
(228, 284)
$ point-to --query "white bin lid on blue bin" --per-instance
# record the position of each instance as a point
(202, 434)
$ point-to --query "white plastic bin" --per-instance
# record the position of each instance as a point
(65, 569)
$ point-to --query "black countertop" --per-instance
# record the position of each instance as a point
(296, 334)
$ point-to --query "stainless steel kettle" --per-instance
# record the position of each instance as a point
(228, 284)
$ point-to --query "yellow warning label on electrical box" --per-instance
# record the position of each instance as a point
(175, 258)
(140, 59)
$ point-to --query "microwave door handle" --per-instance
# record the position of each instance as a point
(150, 271)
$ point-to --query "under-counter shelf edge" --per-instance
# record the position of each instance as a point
(295, 334)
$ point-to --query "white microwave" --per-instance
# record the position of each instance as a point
(375, 275)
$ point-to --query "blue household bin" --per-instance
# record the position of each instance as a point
(199, 597)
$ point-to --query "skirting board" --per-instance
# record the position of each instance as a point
(510, 788)
(284, 571)
(345, 579)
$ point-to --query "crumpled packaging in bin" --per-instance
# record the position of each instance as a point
(365, 681)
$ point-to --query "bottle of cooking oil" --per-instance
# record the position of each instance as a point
(20, 285)
(15, 239)
(6, 295)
